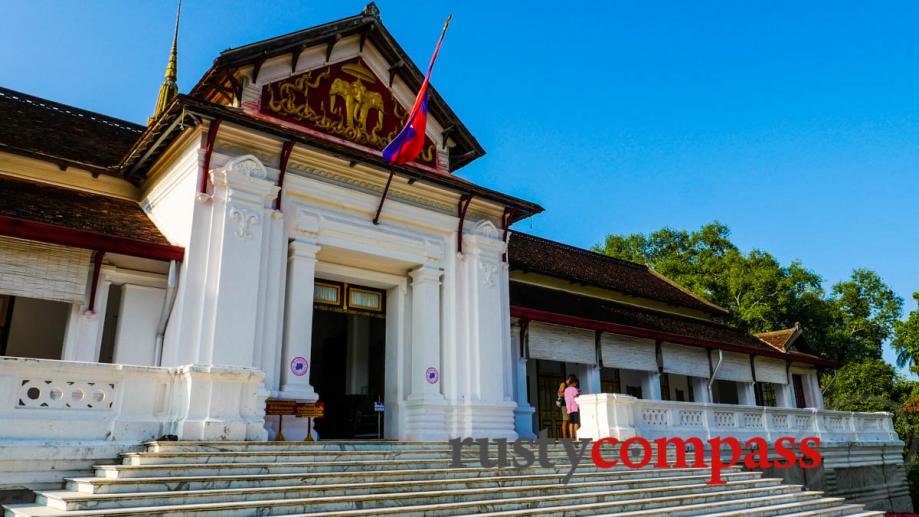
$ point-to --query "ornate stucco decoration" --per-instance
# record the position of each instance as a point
(244, 220)
(489, 271)
(345, 100)
(247, 165)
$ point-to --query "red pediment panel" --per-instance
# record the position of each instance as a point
(343, 100)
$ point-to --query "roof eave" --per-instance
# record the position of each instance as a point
(160, 133)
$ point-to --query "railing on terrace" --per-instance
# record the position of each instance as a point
(623, 416)
(56, 401)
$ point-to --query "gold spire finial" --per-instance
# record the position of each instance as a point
(169, 89)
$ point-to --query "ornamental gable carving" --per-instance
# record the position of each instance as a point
(345, 100)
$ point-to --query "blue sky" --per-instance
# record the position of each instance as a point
(796, 124)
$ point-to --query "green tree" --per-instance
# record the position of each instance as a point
(867, 385)
(906, 339)
(850, 323)
(759, 292)
(864, 310)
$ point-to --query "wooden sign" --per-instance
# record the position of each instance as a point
(276, 407)
(311, 410)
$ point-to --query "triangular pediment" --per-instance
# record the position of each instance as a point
(347, 81)
(345, 100)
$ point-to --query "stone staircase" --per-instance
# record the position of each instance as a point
(403, 478)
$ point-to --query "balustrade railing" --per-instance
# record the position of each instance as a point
(622, 416)
(76, 401)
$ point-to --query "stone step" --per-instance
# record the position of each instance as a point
(675, 506)
(182, 458)
(342, 445)
(68, 500)
(640, 500)
(668, 505)
(329, 445)
(217, 469)
(821, 507)
(468, 475)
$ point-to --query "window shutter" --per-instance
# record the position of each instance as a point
(770, 370)
(44, 271)
(627, 352)
(685, 360)
(735, 367)
(561, 343)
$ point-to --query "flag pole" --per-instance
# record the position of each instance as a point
(402, 134)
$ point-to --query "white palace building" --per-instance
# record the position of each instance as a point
(245, 246)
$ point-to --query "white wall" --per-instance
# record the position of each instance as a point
(37, 328)
(138, 317)
(632, 378)
(679, 382)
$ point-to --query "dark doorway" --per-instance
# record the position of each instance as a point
(348, 373)
(550, 375)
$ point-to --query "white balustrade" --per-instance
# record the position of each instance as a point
(79, 402)
(622, 416)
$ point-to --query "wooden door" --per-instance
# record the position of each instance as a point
(550, 415)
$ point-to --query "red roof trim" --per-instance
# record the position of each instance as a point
(55, 234)
(585, 323)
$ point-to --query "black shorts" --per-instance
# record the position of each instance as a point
(574, 418)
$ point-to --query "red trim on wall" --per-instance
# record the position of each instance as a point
(461, 208)
(208, 151)
(54, 234)
(97, 268)
(586, 323)
(286, 149)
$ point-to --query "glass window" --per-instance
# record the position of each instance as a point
(765, 394)
(329, 294)
(609, 380)
(361, 299)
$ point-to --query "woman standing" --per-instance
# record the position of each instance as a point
(560, 402)
(571, 406)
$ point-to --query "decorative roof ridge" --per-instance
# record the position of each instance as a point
(71, 110)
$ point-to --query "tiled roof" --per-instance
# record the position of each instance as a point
(59, 133)
(780, 339)
(667, 326)
(77, 210)
(535, 254)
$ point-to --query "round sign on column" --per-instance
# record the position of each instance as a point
(432, 375)
(299, 366)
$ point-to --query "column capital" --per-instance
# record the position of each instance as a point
(425, 274)
(304, 250)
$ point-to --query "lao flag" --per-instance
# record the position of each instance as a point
(409, 142)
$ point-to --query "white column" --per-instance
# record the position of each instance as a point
(699, 388)
(425, 407)
(746, 394)
(812, 386)
(784, 395)
(296, 360)
(651, 386)
(219, 302)
(483, 403)
(523, 413)
(588, 376)
(425, 334)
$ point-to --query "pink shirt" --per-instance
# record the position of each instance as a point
(570, 393)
